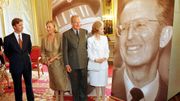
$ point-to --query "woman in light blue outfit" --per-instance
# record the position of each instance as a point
(98, 53)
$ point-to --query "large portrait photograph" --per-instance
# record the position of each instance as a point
(89, 50)
(145, 30)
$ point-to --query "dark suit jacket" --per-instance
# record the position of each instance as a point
(74, 49)
(19, 58)
(1, 56)
(1, 43)
(119, 91)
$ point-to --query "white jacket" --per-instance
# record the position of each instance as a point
(97, 49)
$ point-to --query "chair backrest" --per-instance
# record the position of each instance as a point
(6, 60)
(35, 53)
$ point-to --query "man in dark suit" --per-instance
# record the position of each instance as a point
(2, 62)
(144, 29)
(75, 58)
(17, 47)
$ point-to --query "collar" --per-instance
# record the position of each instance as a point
(17, 37)
(75, 30)
(150, 90)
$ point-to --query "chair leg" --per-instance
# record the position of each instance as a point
(38, 72)
(42, 69)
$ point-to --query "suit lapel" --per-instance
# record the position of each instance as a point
(73, 35)
(80, 35)
(15, 40)
(122, 88)
(162, 92)
(23, 41)
(118, 86)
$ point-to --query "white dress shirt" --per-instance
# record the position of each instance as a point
(150, 90)
(75, 31)
(17, 36)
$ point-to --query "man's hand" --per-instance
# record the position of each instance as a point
(68, 68)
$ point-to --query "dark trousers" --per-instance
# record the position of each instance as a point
(17, 81)
(2, 59)
(78, 78)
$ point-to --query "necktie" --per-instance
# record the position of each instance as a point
(136, 94)
(20, 41)
(77, 34)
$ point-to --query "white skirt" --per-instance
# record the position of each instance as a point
(98, 78)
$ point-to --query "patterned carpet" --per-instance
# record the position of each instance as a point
(42, 91)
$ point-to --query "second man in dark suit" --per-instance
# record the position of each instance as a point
(17, 47)
(75, 58)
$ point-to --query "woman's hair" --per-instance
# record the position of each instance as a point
(96, 26)
(52, 22)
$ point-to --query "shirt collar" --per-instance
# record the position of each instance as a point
(16, 35)
(75, 30)
(150, 90)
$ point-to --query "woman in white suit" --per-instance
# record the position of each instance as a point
(98, 53)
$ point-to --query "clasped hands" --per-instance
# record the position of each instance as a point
(100, 60)
(50, 60)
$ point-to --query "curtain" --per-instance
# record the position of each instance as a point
(34, 14)
(43, 9)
